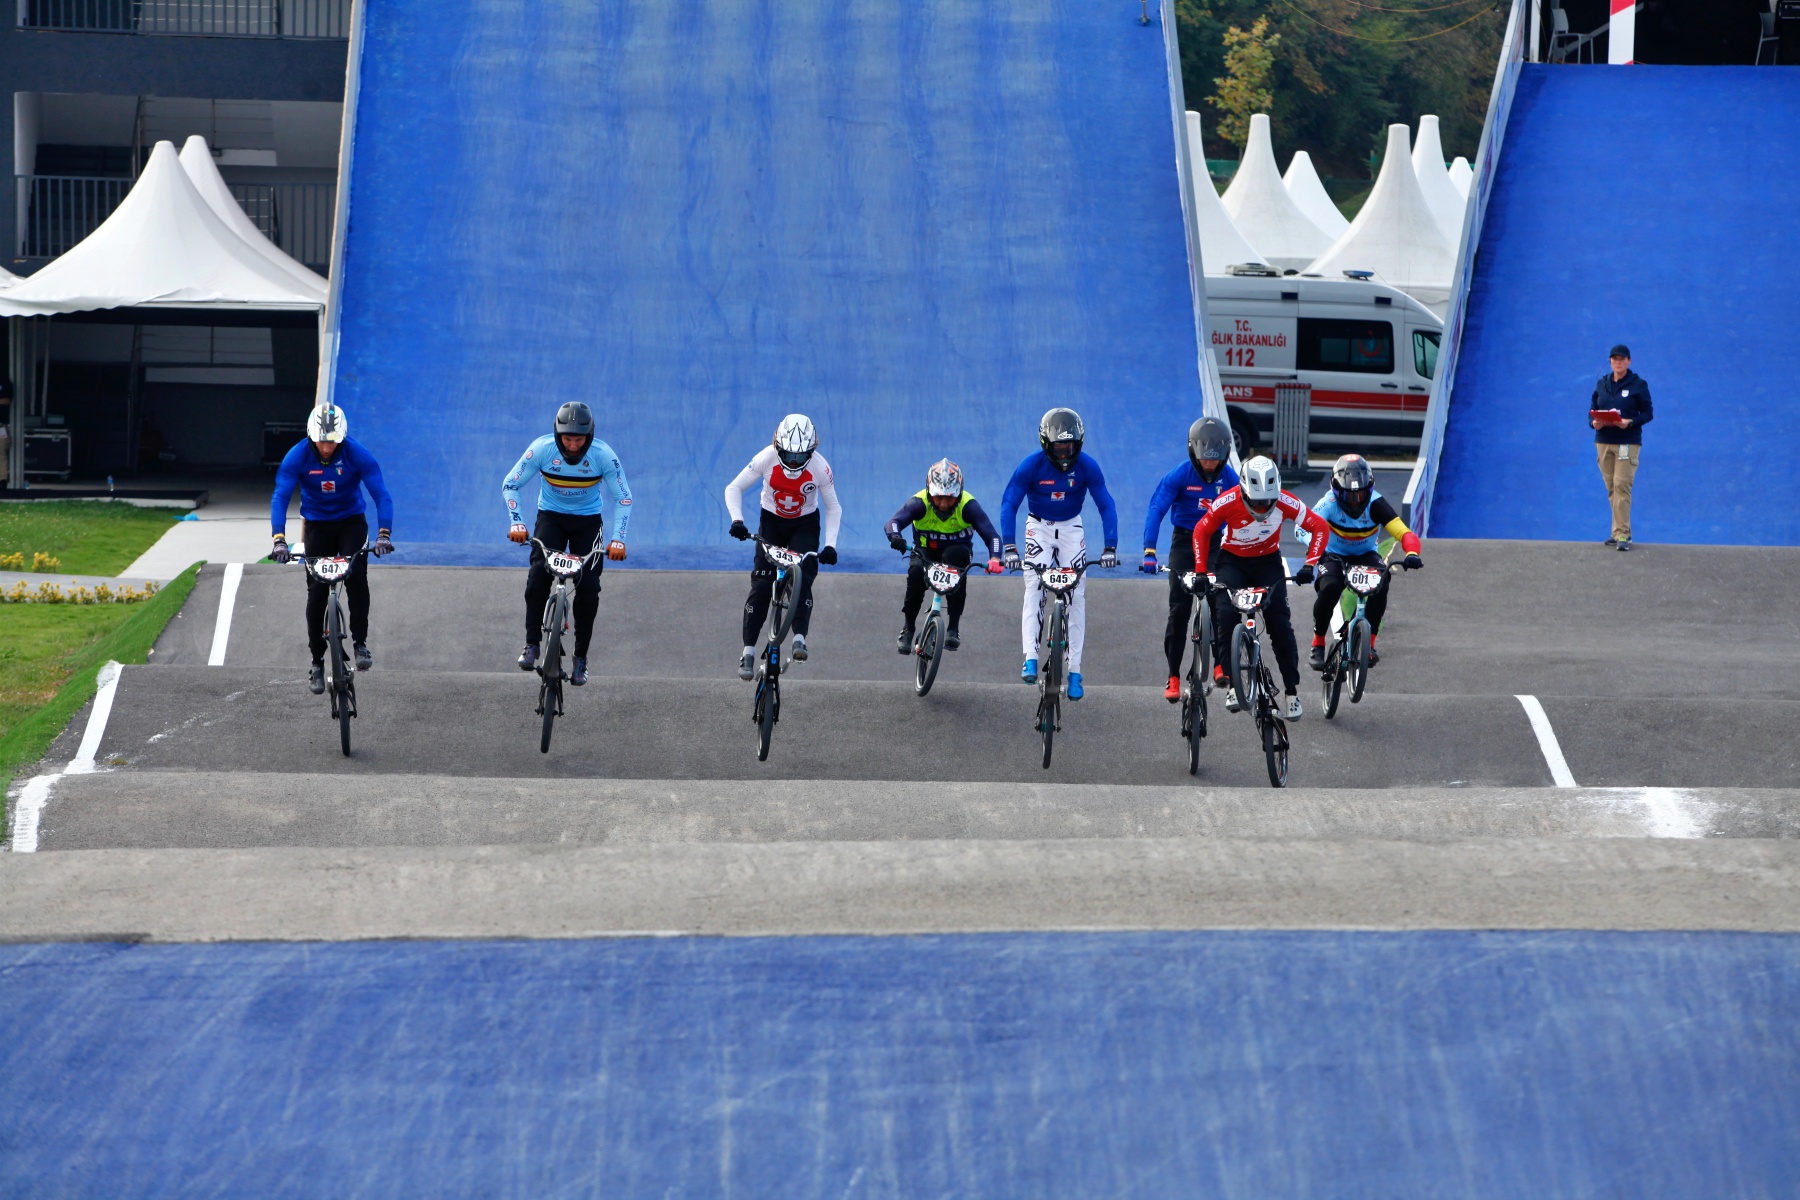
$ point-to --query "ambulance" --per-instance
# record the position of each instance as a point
(1368, 350)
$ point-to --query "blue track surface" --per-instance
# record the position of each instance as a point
(921, 221)
(1209, 1064)
(1651, 206)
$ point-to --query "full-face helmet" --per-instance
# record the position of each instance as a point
(1061, 434)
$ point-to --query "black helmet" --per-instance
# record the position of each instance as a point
(1353, 482)
(577, 419)
(1209, 437)
(1061, 433)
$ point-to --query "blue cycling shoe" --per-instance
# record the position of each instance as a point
(1074, 685)
(1028, 673)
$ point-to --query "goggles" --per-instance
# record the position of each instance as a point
(793, 460)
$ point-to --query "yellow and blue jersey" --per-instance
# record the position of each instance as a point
(1361, 534)
(570, 487)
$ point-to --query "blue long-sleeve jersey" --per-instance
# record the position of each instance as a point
(329, 491)
(1188, 495)
(1055, 495)
(570, 487)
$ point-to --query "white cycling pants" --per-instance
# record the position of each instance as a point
(1054, 544)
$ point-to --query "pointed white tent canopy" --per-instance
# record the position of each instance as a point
(1462, 175)
(197, 161)
(1434, 180)
(1395, 235)
(1222, 244)
(1308, 190)
(1259, 202)
(163, 245)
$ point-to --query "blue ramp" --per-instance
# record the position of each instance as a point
(923, 222)
(1652, 206)
(1255, 1065)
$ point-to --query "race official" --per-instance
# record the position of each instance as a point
(1619, 442)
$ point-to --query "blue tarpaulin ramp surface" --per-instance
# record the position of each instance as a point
(1651, 207)
(922, 224)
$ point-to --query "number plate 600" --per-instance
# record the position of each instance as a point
(563, 564)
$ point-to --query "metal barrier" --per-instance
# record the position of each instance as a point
(59, 210)
(192, 18)
(1423, 484)
(1293, 427)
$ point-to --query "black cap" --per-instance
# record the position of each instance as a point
(1619, 351)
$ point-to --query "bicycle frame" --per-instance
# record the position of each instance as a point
(1060, 582)
(1349, 652)
(564, 569)
(767, 708)
(332, 572)
(928, 646)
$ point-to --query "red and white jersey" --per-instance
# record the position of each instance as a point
(1249, 535)
(788, 494)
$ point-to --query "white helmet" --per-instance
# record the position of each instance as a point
(795, 441)
(944, 479)
(1260, 483)
(327, 424)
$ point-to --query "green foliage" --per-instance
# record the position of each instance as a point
(89, 537)
(52, 654)
(1244, 88)
(1343, 70)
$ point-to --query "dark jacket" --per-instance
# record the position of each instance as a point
(1631, 396)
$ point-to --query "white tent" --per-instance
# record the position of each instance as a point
(1222, 244)
(163, 246)
(1259, 202)
(1462, 175)
(1446, 202)
(1308, 190)
(1395, 235)
(197, 161)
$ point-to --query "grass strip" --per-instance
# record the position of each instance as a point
(90, 537)
(130, 642)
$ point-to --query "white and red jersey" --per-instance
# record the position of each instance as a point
(1249, 535)
(788, 494)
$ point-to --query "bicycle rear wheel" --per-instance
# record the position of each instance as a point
(341, 695)
(1275, 749)
(926, 659)
(1359, 660)
(768, 707)
(1245, 663)
(1332, 681)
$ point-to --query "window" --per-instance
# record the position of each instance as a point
(1425, 352)
(1361, 346)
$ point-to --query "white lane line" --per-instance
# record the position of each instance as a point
(36, 793)
(234, 572)
(1546, 738)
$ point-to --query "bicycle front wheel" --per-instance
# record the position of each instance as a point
(1196, 729)
(768, 708)
(551, 691)
(783, 617)
(1048, 711)
(1203, 631)
(925, 661)
(340, 674)
(1245, 664)
(1275, 750)
(1359, 660)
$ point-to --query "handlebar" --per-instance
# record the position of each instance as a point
(594, 554)
(804, 554)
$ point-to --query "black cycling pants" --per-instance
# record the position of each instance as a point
(954, 554)
(1181, 601)
(796, 533)
(570, 535)
(1266, 571)
(1331, 586)
(336, 539)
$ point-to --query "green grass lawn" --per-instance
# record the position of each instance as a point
(90, 537)
(51, 653)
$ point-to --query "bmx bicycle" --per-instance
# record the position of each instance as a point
(559, 622)
(1060, 583)
(1198, 680)
(340, 679)
(928, 647)
(767, 709)
(1348, 657)
(1255, 687)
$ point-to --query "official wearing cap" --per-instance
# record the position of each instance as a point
(1618, 412)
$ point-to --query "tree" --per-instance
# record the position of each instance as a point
(1244, 88)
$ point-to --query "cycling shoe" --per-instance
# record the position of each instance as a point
(1294, 708)
(364, 660)
(579, 675)
(747, 665)
(528, 658)
(316, 679)
(799, 654)
(905, 641)
(1028, 673)
(952, 638)
(1075, 692)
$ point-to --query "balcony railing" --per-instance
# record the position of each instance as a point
(193, 18)
(58, 211)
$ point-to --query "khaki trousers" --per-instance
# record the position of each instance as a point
(1618, 468)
